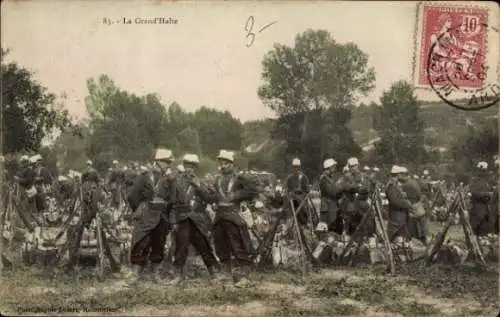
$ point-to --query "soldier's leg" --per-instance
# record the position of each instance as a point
(74, 239)
(239, 248)
(139, 258)
(222, 246)
(302, 213)
(115, 266)
(182, 240)
(204, 249)
(158, 239)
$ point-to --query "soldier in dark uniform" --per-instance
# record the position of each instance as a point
(297, 187)
(116, 181)
(43, 180)
(399, 206)
(64, 189)
(26, 175)
(91, 188)
(481, 196)
(330, 195)
(26, 180)
(191, 224)
(150, 205)
(357, 188)
(230, 231)
(417, 227)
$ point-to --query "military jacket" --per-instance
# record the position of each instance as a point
(90, 175)
(412, 190)
(142, 190)
(396, 197)
(230, 190)
(297, 184)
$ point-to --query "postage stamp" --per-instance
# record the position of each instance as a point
(457, 36)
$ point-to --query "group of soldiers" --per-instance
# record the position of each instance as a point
(164, 200)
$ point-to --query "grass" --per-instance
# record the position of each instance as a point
(417, 290)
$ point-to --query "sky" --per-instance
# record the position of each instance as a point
(203, 59)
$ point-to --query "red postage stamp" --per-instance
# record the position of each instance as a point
(451, 45)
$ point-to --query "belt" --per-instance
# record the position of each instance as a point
(225, 204)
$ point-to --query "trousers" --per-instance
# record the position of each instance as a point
(151, 246)
(187, 233)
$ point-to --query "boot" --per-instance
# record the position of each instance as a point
(133, 279)
(179, 276)
(216, 274)
(226, 270)
(156, 272)
(242, 278)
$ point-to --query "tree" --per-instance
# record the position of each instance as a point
(71, 147)
(399, 126)
(29, 112)
(217, 130)
(476, 144)
(124, 126)
(302, 82)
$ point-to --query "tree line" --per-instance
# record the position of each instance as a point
(314, 87)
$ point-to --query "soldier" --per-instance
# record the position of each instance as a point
(115, 182)
(355, 203)
(63, 189)
(417, 224)
(91, 187)
(189, 199)
(230, 231)
(330, 194)
(149, 203)
(26, 175)
(399, 206)
(42, 181)
(26, 180)
(297, 187)
(481, 196)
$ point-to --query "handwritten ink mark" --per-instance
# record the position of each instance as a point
(266, 26)
(249, 29)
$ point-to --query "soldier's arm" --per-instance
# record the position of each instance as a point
(479, 192)
(243, 192)
(396, 198)
(205, 194)
(171, 188)
(23, 179)
(305, 183)
(329, 188)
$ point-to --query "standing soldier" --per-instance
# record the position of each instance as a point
(399, 206)
(189, 199)
(230, 231)
(116, 177)
(297, 187)
(481, 196)
(417, 221)
(91, 187)
(355, 203)
(330, 194)
(42, 179)
(149, 203)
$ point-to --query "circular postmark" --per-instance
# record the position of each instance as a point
(457, 70)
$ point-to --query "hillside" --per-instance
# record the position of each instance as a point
(444, 125)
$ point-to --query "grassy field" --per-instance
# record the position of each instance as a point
(415, 291)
